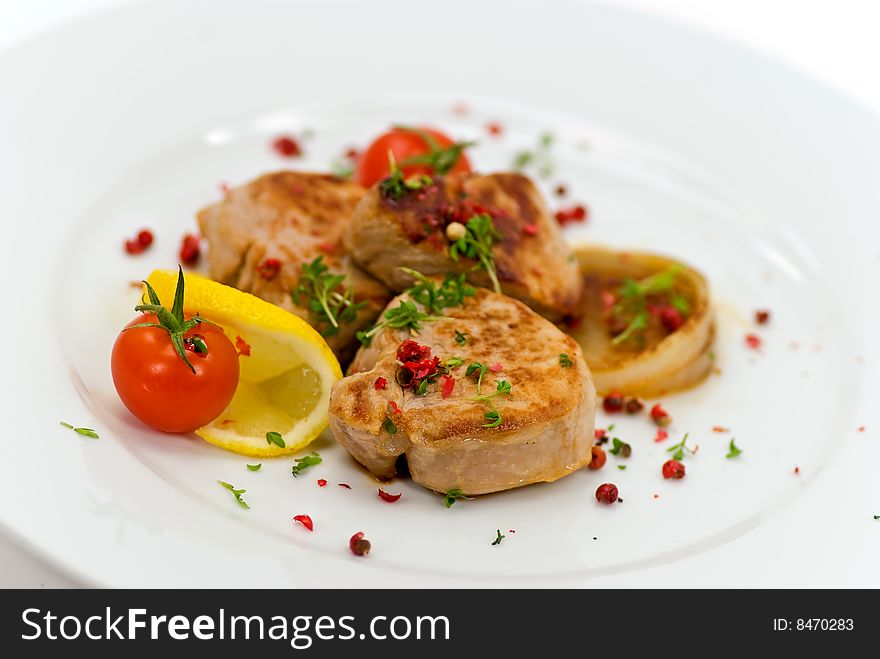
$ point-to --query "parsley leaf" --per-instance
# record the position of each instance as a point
(304, 463)
(322, 293)
(460, 339)
(236, 493)
(498, 538)
(273, 437)
(453, 495)
(477, 244)
(565, 360)
(734, 450)
(85, 432)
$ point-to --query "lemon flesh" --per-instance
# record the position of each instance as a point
(284, 385)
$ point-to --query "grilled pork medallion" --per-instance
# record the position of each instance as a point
(265, 237)
(398, 224)
(489, 397)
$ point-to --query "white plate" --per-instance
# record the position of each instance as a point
(763, 180)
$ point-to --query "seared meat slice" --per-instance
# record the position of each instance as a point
(546, 419)
(263, 232)
(533, 262)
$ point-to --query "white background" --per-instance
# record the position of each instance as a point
(833, 40)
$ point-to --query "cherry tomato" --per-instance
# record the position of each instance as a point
(404, 143)
(157, 386)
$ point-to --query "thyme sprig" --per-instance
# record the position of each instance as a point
(323, 294)
(477, 244)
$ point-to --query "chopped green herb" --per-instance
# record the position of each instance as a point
(454, 362)
(498, 538)
(502, 387)
(522, 159)
(620, 448)
(322, 293)
(734, 450)
(342, 168)
(477, 244)
(273, 437)
(453, 495)
(236, 493)
(541, 157)
(389, 426)
(255, 467)
(633, 301)
(85, 432)
(679, 449)
(565, 360)
(621, 467)
(304, 463)
(395, 186)
(460, 339)
(876, 516)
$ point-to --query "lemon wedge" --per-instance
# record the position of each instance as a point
(285, 381)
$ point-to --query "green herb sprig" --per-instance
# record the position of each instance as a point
(499, 536)
(236, 493)
(565, 360)
(502, 388)
(304, 463)
(451, 292)
(678, 451)
(477, 244)
(85, 432)
(633, 300)
(425, 293)
(323, 294)
(453, 495)
(541, 156)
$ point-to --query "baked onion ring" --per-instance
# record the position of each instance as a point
(660, 358)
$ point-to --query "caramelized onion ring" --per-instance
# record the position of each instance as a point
(676, 361)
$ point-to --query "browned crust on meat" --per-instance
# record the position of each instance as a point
(537, 269)
(544, 396)
(292, 217)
